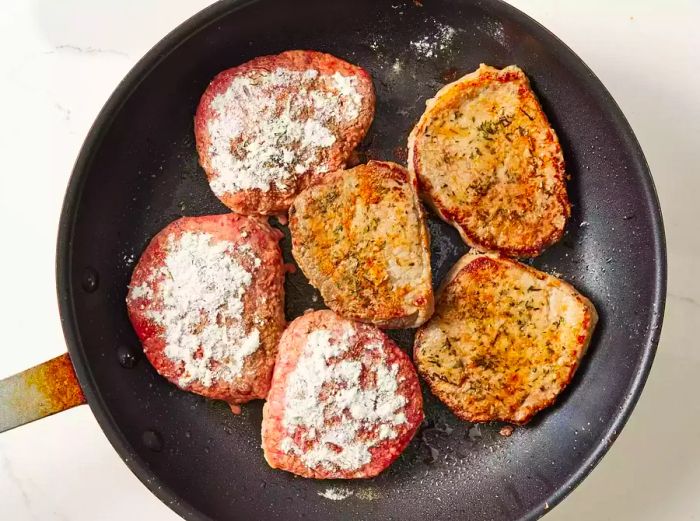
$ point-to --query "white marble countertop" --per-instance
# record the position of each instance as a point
(61, 60)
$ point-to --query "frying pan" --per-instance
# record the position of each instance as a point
(138, 171)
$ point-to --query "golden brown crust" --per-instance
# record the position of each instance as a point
(504, 341)
(489, 163)
(360, 238)
(276, 199)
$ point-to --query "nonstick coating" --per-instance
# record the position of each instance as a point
(138, 171)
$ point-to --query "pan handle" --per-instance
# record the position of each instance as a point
(43, 390)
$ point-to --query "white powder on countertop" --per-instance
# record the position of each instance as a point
(200, 306)
(272, 125)
(336, 493)
(329, 409)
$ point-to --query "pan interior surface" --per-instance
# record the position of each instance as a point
(138, 171)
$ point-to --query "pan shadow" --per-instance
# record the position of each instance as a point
(655, 460)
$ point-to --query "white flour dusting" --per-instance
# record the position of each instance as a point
(272, 125)
(142, 291)
(429, 46)
(330, 418)
(495, 30)
(199, 304)
(336, 493)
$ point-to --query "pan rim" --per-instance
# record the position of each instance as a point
(182, 33)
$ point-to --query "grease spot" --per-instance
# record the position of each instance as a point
(90, 280)
(127, 356)
(152, 440)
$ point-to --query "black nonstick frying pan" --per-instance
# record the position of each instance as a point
(138, 171)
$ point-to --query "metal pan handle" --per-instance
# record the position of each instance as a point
(43, 390)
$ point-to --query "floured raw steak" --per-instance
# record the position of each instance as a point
(344, 402)
(206, 299)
